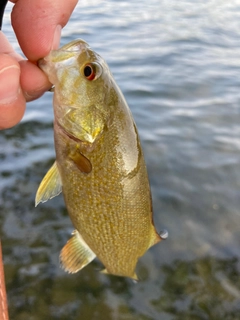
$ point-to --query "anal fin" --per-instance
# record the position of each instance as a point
(76, 254)
(50, 186)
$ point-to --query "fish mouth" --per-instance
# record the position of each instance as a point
(41, 63)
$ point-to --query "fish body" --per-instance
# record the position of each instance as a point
(99, 164)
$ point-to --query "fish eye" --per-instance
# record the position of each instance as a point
(89, 72)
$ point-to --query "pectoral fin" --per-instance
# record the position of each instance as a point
(82, 163)
(76, 254)
(50, 186)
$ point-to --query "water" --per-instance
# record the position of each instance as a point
(177, 63)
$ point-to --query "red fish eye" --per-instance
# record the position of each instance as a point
(89, 72)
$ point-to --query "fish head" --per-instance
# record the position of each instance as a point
(82, 89)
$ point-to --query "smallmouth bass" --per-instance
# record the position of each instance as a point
(99, 165)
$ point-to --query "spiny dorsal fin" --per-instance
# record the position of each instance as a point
(76, 254)
(50, 185)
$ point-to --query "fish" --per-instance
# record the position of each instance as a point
(99, 167)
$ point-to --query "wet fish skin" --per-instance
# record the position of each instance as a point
(99, 165)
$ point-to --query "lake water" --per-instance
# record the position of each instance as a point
(178, 65)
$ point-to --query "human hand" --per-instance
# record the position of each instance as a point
(37, 25)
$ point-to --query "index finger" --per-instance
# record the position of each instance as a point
(38, 24)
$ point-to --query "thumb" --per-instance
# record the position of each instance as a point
(12, 101)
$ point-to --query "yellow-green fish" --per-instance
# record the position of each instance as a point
(99, 165)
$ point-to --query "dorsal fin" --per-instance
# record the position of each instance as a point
(155, 238)
(50, 186)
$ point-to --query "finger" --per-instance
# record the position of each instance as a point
(33, 81)
(38, 24)
(12, 101)
(7, 48)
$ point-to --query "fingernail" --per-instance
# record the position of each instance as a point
(9, 84)
(56, 37)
